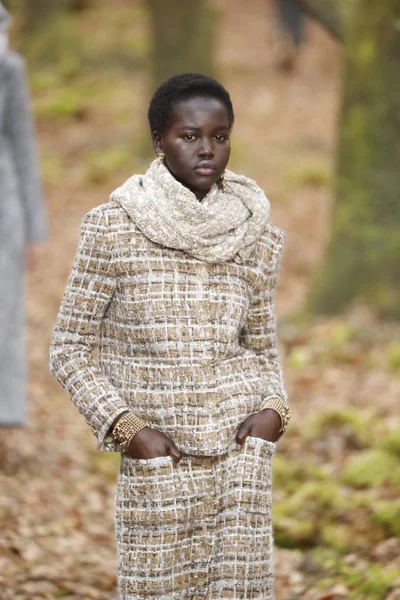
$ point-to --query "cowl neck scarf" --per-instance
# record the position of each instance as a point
(224, 226)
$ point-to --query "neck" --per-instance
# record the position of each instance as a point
(200, 194)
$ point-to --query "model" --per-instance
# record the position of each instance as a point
(174, 283)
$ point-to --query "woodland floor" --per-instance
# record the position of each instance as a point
(336, 478)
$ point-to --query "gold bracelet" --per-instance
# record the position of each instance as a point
(126, 429)
(279, 406)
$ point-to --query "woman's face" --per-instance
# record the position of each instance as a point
(196, 144)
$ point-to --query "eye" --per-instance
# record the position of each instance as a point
(189, 137)
(221, 138)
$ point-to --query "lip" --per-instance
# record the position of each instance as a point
(205, 167)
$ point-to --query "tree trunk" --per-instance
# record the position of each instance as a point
(49, 34)
(182, 37)
(37, 12)
(363, 258)
(327, 12)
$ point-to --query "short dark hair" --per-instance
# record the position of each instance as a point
(180, 88)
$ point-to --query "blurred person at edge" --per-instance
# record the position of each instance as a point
(22, 226)
(174, 284)
(291, 20)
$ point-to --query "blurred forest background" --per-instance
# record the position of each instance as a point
(318, 127)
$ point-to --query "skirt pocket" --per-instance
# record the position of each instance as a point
(244, 534)
(250, 482)
(146, 493)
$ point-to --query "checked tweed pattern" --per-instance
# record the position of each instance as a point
(201, 530)
(190, 347)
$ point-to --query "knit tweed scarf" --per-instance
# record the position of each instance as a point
(224, 226)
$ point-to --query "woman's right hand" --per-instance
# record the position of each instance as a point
(151, 443)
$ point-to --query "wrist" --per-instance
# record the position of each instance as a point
(126, 428)
(276, 404)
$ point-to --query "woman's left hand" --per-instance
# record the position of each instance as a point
(264, 424)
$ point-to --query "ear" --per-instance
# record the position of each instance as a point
(156, 139)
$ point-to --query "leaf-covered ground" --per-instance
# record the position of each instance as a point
(337, 477)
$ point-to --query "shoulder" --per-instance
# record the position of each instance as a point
(108, 219)
(269, 248)
(272, 239)
(104, 214)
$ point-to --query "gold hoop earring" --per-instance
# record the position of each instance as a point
(160, 158)
(221, 183)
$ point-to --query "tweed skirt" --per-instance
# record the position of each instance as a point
(198, 530)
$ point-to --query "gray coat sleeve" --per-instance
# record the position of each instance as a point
(20, 133)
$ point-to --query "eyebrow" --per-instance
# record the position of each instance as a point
(198, 128)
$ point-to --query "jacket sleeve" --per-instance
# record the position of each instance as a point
(89, 291)
(20, 133)
(259, 333)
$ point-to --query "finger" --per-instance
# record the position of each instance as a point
(242, 434)
(174, 453)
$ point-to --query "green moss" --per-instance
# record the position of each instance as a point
(102, 164)
(316, 495)
(44, 79)
(63, 103)
(289, 474)
(300, 517)
(372, 468)
(359, 424)
(293, 533)
(299, 357)
(57, 42)
(371, 584)
(338, 536)
(62, 592)
(366, 53)
(387, 513)
(341, 333)
(327, 559)
(391, 443)
(314, 174)
(368, 584)
(393, 356)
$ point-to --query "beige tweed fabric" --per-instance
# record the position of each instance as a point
(223, 226)
(200, 530)
(189, 345)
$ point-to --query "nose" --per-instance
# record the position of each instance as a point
(206, 148)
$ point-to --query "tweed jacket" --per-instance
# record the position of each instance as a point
(189, 346)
